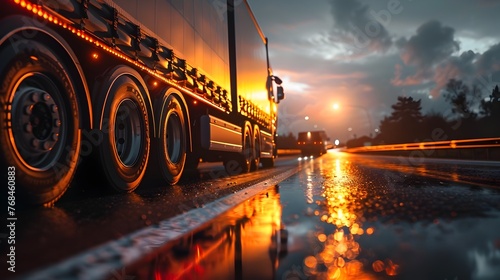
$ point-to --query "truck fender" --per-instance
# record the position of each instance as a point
(103, 86)
(17, 25)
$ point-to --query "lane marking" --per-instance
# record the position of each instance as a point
(102, 261)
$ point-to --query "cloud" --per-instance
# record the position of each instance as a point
(470, 67)
(325, 54)
(400, 79)
(430, 54)
(456, 67)
(490, 60)
(432, 44)
(489, 3)
(360, 27)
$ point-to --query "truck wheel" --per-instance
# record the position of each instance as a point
(267, 162)
(241, 163)
(124, 153)
(40, 137)
(173, 141)
(256, 148)
(247, 157)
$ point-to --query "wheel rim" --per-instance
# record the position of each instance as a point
(173, 138)
(247, 152)
(128, 132)
(257, 146)
(38, 121)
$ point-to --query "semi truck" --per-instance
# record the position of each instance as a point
(131, 85)
(313, 142)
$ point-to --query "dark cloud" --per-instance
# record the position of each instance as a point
(403, 78)
(345, 51)
(430, 54)
(432, 44)
(489, 61)
(455, 67)
(359, 26)
(490, 3)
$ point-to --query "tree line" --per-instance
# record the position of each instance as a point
(471, 117)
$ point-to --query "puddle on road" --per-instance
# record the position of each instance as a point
(245, 243)
(332, 222)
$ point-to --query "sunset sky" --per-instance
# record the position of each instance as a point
(363, 54)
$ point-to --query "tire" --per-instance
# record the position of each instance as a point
(241, 162)
(247, 155)
(172, 144)
(256, 148)
(124, 153)
(267, 162)
(40, 136)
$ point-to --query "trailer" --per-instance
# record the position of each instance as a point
(133, 85)
(313, 142)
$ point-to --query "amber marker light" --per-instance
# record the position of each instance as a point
(453, 144)
(39, 10)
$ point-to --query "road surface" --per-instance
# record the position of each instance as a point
(338, 216)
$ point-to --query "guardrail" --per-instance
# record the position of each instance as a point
(481, 149)
(287, 152)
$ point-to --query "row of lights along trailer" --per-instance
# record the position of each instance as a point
(133, 84)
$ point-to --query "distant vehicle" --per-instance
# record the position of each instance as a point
(313, 142)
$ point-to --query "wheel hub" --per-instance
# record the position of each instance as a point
(173, 138)
(36, 121)
(128, 130)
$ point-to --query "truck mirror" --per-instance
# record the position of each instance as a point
(277, 80)
(280, 93)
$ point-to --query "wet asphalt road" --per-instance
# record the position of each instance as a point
(351, 217)
(89, 214)
(340, 217)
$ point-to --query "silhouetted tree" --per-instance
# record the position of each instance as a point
(359, 142)
(461, 98)
(407, 124)
(404, 124)
(286, 142)
(435, 127)
(490, 109)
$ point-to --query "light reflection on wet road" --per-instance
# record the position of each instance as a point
(88, 217)
(344, 217)
(243, 244)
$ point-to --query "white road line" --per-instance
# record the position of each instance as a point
(101, 262)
